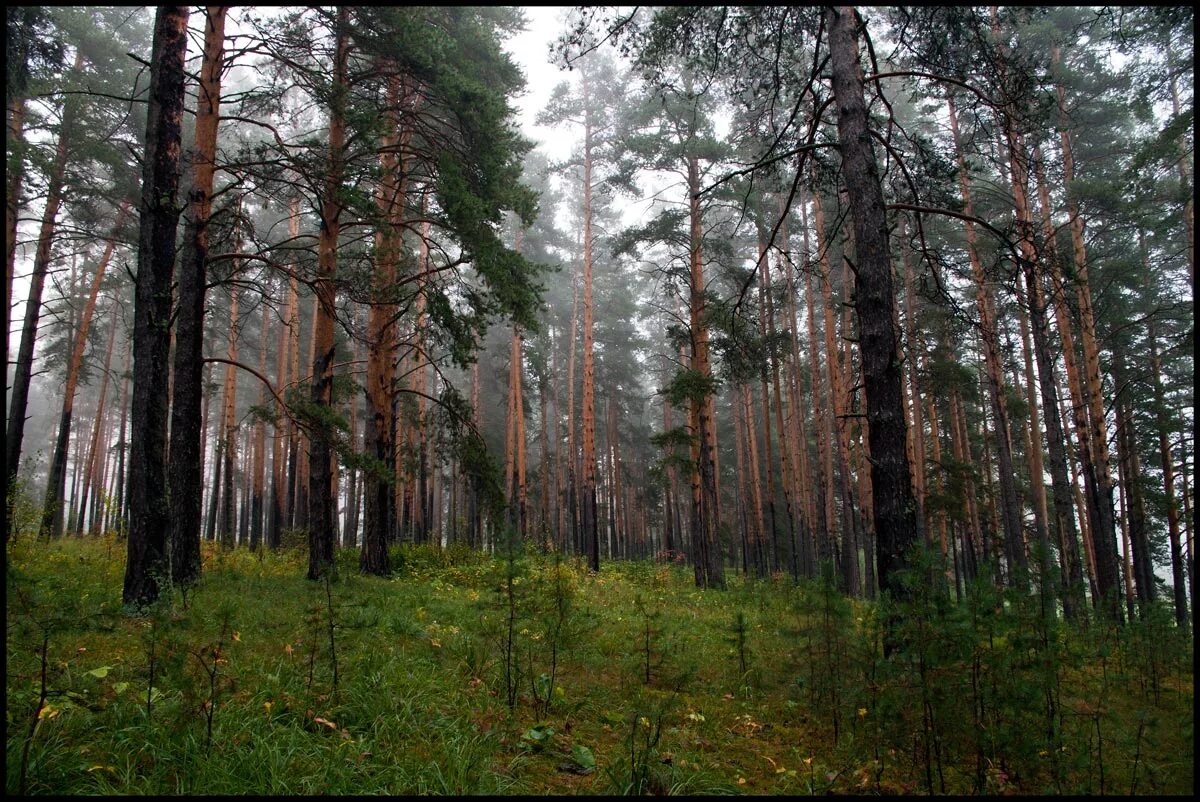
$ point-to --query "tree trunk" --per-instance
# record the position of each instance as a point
(292, 514)
(122, 478)
(1103, 530)
(757, 530)
(89, 480)
(821, 408)
(52, 508)
(912, 349)
(710, 569)
(764, 398)
(321, 506)
(1185, 160)
(1131, 487)
(12, 206)
(1179, 590)
(1064, 516)
(519, 424)
(102, 451)
(891, 483)
(1010, 511)
(226, 534)
(379, 424)
(23, 373)
(259, 456)
(544, 468)
(1037, 474)
(186, 468)
(282, 423)
(804, 479)
(838, 435)
(591, 526)
(354, 484)
(147, 564)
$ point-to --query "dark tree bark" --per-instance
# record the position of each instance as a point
(147, 568)
(1131, 491)
(895, 507)
(709, 559)
(23, 373)
(12, 205)
(186, 466)
(1179, 589)
(321, 504)
(52, 508)
(1060, 480)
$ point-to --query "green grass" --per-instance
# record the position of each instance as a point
(420, 705)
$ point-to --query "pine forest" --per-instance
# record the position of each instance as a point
(600, 400)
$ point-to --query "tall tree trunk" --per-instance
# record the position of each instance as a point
(805, 481)
(1037, 474)
(379, 424)
(304, 452)
(1103, 530)
(214, 491)
(1131, 488)
(741, 512)
(102, 451)
(420, 487)
(322, 509)
(764, 398)
(591, 526)
(519, 423)
(259, 457)
(52, 511)
(476, 511)
(1179, 591)
(186, 468)
(292, 514)
(559, 516)
(23, 373)
(1084, 514)
(572, 491)
(89, 481)
(912, 350)
(1064, 516)
(838, 435)
(757, 529)
(1187, 528)
(858, 498)
(544, 467)
(1010, 511)
(710, 568)
(226, 534)
(891, 483)
(147, 563)
(12, 206)
(821, 407)
(279, 437)
(787, 455)
(122, 478)
(1185, 160)
(354, 488)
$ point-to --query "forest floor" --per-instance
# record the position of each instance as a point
(628, 681)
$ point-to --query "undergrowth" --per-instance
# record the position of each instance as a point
(627, 681)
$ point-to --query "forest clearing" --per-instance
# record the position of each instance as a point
(597, 399)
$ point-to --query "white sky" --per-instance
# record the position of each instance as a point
(531, 50)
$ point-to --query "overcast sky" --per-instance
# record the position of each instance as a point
(531, 50)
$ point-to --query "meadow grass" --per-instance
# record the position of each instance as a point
(766, 687)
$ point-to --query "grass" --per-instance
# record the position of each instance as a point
(420, 703)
